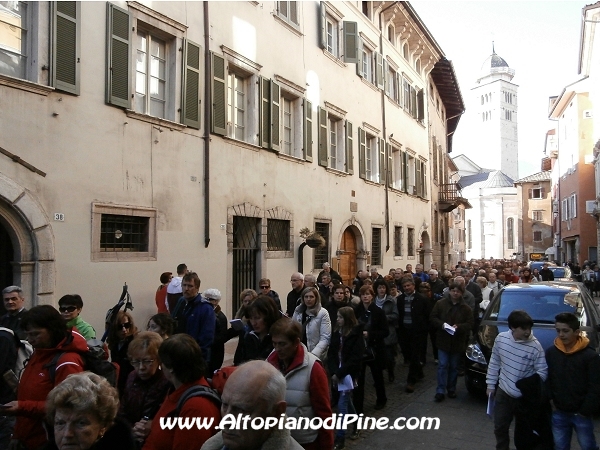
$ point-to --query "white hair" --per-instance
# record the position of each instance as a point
(212, 293)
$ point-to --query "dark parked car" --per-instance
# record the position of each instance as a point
(543, 301)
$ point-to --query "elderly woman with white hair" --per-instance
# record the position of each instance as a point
(82, 411)
(217, 353)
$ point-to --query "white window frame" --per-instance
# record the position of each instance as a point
(397, 166)
(146, 107)
(332, 30)
(251, 104)
(237, 83)
(336, 145)
(372, 158)
(411, 171)
(287, 18)
(537, 215)
(173, 34)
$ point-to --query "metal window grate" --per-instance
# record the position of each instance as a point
(278, 235)
(322, 253)
(376, 247)
(124, 233)
(246, 248)
(411, 242)
(397, 241)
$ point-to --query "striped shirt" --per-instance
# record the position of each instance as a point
(513, 360)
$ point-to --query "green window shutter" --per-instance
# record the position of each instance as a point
(190, 85)
(390, 165)
(275, 108)
(424, 180)
(382, 160)
(350, 42)
(379, 70)
(362, 153)
(349, 149)
(418, 179)
(420, 106)
(405, 172)
(386, 78)
(323, 137)
(118, 86)
(218, 94)
(308, 130)
(359, 58)
(413, 102)
(66, 41)
(265, 109)
(323, 25)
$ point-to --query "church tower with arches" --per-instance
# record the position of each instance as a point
(496, 100)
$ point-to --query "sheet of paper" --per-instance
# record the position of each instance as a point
(346, 384)
(490, 405)
(449, 329)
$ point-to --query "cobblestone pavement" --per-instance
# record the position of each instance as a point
(464, 424)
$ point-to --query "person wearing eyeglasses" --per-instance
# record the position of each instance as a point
(146, 386)
(70, 307)
(120, 335)
(265, 289)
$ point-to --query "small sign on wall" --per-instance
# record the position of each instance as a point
(59, 217)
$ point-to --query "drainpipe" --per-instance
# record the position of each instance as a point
(387, 192)
(207, 103)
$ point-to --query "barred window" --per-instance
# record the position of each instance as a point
(398, 235)
(376, 247)
(411, 242)
(123, 233)
(278, 235)
(322, 253)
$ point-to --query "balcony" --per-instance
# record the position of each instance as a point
(450, 197)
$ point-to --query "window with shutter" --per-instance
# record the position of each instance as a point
(67, 44)
(379, 71)
(362, 153)
(420, 106)
(308, 130)
(351, 42)
(275, 107)
(16, 35)
(218, 95)
(291, 124)
(349, 148)
(191, 85)
(323, 137)
(376, 253)
(382, 160)
(150, 74)
(118, 88)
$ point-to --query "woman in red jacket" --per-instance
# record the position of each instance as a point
(183, 365)
(47, 333)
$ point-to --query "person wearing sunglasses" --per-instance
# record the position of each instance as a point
(265, 289)
(70, 307)
(121, 333)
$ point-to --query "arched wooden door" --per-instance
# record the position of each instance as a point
(348, 257)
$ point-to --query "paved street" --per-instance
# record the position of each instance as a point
(463, 422)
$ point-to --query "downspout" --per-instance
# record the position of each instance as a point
(207, 103)
(387, 192)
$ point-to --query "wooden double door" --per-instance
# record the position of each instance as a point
(347, 268)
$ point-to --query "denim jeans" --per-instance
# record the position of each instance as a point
(562, 428)
(447, 372)
(345, 406)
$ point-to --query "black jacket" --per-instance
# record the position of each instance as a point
(374, 322)
(292, 301)
(419, 311)
(332, 308)
(574, 380)
(352, 351)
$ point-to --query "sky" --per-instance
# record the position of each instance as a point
(538, 39)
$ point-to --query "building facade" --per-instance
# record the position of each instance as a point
(573, 174)
(535, 215)
(139, 135)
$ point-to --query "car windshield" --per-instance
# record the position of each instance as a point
(542, 305)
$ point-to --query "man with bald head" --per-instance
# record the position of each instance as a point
(293, 297)
(255, 389)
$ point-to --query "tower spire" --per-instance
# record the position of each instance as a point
(493, 50)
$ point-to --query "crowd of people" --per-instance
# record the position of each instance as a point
(306, 358)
